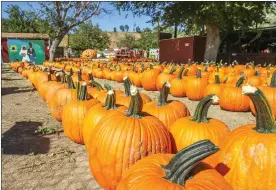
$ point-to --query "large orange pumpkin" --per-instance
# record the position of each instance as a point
(119, 141)
(195, 87)
(93, 116)
(247, 157)
(188, 130)
(182, 171)
(215, 88)
(178, 85)
(149, 78)
(165, 77)
(166, 111)
(61, 98)
(89, 54)
(73, 115)
(232, 99)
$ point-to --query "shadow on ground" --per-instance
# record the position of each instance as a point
(10, 79)
(13, 90)
(21, 139)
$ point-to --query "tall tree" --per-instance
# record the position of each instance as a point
(138, 29)
(122, 28)
(148, 39)
(63, 16)
(211, 17)
(126, 28)
(128, 40)
(114, 29)
(88, 36)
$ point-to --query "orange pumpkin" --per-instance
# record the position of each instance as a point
(215, 88)
(196, 86)
(188, 130)
(74, 113)
(119, 141)
(178, 85)
(232, 99)
(166, 111)
(89, 54)
(247, 157)
(149, 78)
(183, 171)
(93, 116)
(164, 77)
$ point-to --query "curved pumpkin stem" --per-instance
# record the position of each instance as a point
(107, 87)
(71, 71)
(127, 84)
(180, 166)
(185, 73)
(217, 80)
(79, 75)
(202, 108)
(172, 69)
(63, 77)
(163, 96)
(257, 73)
(97, 85)
(240, 81)
(58, 77)
(198, 73)
(82, 92)
(265, 121)
(273, 80)
(110, 102)
(180, 73)
(136, 103)
(70, 82)
(49, 76)
(225, 80)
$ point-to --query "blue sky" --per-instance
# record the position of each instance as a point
(106, 22)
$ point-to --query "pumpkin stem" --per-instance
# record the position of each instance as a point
(151, 67)
(110, 103)
(83, 92)
(49, 76)
(257, 73)
(79, 75)
(58, 77)
(163, 96)
(97, 85)
(172, 69)
(185, 73)
(198, 73)
(180, 73)
(71, 71)
(202, 108)
(78, 89)
(136, 103)
(180, 166)
(273, 80)
(70, 82)
(107, 87)
(225, 80)
(217, 80)
(265, 121)
(240, 81)
(91, 79)
(127, 84)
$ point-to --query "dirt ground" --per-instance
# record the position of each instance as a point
(33, 161)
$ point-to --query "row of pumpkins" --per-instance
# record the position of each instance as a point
(138, 143)
(191, 80)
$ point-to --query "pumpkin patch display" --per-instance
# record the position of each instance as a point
(166, 111)
(74, 113)
(178, 85)
(182, 171)
(247, 156)
(119, 141)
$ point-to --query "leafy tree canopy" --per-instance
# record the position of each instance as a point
(88, 36)
(128, 40)
(148, 39)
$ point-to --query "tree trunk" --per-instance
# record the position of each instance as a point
(54, 46)
(212, 42)
(175, 31)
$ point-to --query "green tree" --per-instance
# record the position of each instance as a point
(64, 16)
(122, 28)
(126, 28)
(210, 17)
(114, 29)
(128, 40)
(22, 21)
(137, 29)
(148, 39)
(88, 36)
